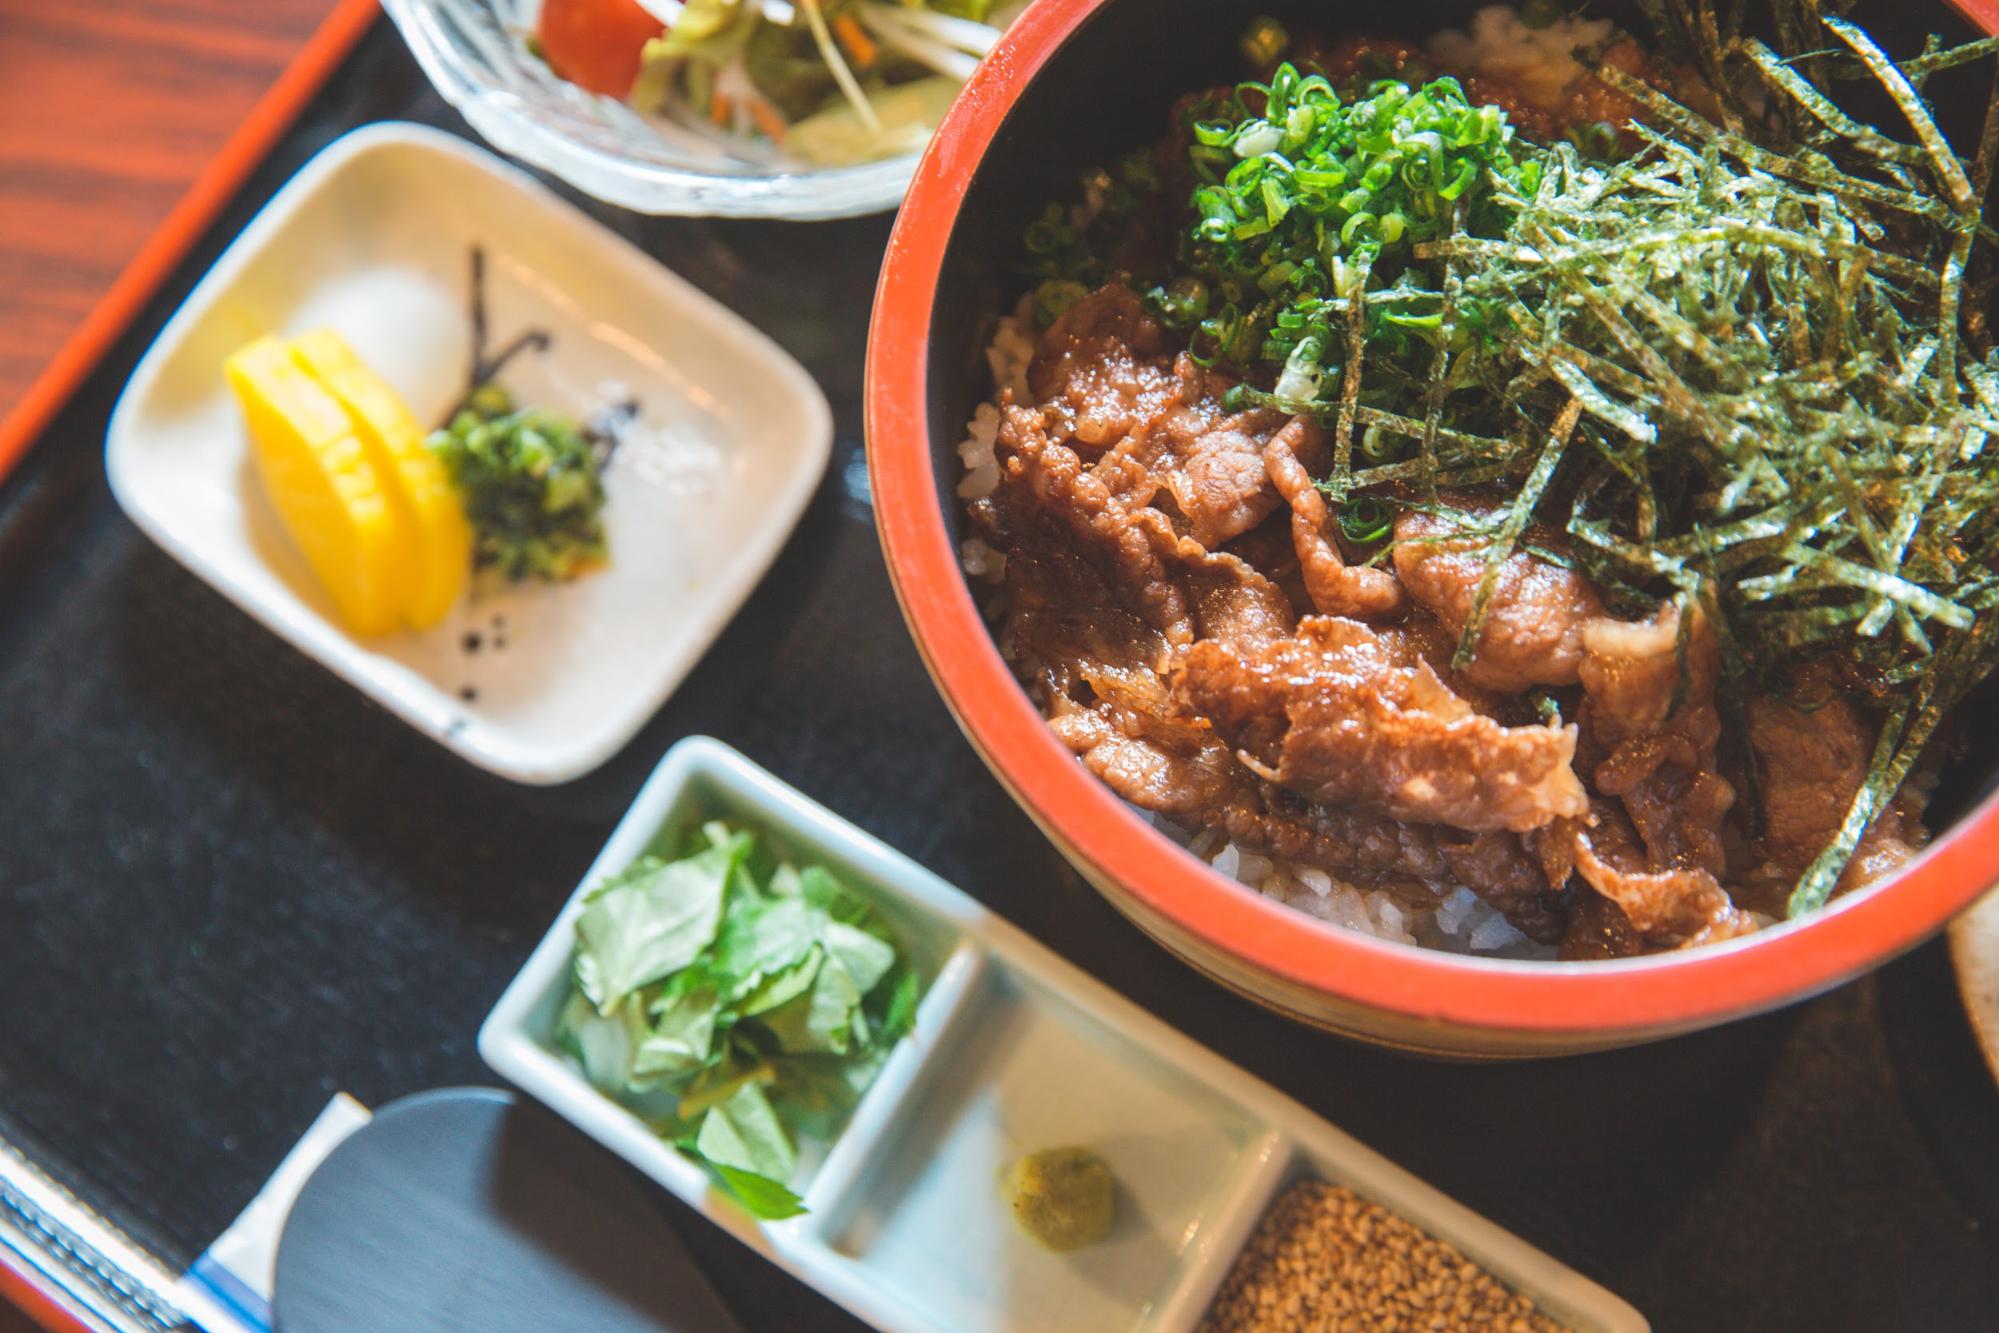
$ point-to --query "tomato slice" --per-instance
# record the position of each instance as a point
(596, 44)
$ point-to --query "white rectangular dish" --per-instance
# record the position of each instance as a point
(372, 238)
(1014, 1049)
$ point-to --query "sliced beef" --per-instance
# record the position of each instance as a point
(1102, 369)
(1064, 625)
(1809, 763)
(1360, 848)
(1207, 460)
(1599, 930)
(1176, 768)
(1890, 843)
(1345, 716)
(1532, 630)
(1106, 388)
(1649, 713)
(1158, 548)
(1335, 587)
(1641, 681)
(1049, 496)
(1498, 868)
(1210, 460)
(1660, 908)
(1233, 602)
(1051, 500)
(1104, 383)
(1173, 769)
(1675, 799)
(1663, 906)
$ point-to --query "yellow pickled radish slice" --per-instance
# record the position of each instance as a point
(418, 484)
(317, 474)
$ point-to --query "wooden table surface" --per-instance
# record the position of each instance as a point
(108, 110)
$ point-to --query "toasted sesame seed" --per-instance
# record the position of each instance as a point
(1325, 1260)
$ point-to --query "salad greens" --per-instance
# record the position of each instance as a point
(741, 1000)
(832, 82)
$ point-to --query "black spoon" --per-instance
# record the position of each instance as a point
(469, 1208)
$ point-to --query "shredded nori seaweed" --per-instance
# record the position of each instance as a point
(1783, 407)
(1740, 376)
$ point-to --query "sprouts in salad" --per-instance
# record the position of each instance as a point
(825, 82)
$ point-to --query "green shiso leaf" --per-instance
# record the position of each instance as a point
(898, 1015)
(781, 987)
(737, 1001)
(606, 1046)
(682, 1038)
(743, 1132)
(828, 1017)
(769, 936)
(823, 889)
(652, 920)
(763, 1197)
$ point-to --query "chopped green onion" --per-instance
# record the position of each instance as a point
(1180, 303)
(1054, 297)
(1366, 519)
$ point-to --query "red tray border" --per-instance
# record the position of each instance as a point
(25, 1291)
(212, 190)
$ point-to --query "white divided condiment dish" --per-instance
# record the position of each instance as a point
(1014, 1049)
(373, 238)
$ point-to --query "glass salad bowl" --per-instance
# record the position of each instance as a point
(477, 55)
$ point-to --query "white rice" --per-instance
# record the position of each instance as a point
(976, 453)
(1011, 350)
(1007, 356)
(1540, 62)
(1456, 922)
(1459, 921)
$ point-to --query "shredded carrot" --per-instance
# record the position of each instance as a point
(855, 41)
(718, 109)
(768, 119)
(836, 65)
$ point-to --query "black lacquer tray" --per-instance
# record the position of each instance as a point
(230, 886)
